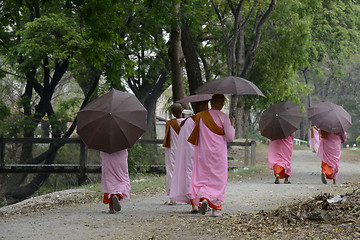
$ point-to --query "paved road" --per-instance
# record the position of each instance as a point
(142, 215)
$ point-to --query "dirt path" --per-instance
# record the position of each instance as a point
(149, 218)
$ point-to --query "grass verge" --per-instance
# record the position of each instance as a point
(150, 183)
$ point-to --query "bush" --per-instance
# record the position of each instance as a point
(358, 141)
(138, 159)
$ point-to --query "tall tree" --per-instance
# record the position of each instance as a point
(241, 43)
(335, 38)
(176, 56)
(40, 42)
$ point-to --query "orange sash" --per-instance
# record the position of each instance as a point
(174, 124)
(313, 128)
(209, 123)
(323, 134)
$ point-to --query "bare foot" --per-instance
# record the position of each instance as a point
(334, 181)
(215, 213)
(194, 209)
(286, 181)
(277, 179)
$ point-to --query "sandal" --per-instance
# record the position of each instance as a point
(323, 178)
(116, 202)
(203, 207)
(287, 182)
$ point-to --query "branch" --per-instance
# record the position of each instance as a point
(13, 74)
(250, 56)
(260, 25)
(71, 129)
(217, 10)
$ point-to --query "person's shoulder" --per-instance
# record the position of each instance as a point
(218, 112)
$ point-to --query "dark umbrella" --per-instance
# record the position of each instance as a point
(230, 85)
(196, 98)
(329, 117)
(280, 120)
(112, 122)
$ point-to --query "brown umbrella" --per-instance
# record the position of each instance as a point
(112, 122)
(230, 85)
(196, 98)
(280, 120)
(329, 117)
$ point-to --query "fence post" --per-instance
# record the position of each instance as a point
(83, 156)
(253, 145)
(246, 162)
(2, 152)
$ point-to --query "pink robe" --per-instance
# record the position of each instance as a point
(280, 152)
(209, 176)
(314, 140)
(330, 151)
(184, 158)
(170, 156)
(114, 173)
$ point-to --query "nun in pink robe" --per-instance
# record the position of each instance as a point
(209, 175)
(115, 176)
(184, 158)
(329, 152)
(170, 153)
(279, 157)
(314, 140)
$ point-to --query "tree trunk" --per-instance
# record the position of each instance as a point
(191, 59)
(240, 59)
(177, 63)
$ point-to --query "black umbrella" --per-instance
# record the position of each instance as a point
(112, 122)
(230, 85)
(280, 120)
(329, 117)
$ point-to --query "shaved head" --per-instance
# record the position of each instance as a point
(176, 110)
(201, 106)
(217, 101)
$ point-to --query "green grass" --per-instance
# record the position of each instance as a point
(155, 183)
(239, 173)
(300, 147)
(140, 184)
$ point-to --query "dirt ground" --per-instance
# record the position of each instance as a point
(146, 216)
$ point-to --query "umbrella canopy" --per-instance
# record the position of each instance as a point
(230, 85)
(195, 98)
(112, 122)
(329, 117)
(280, 120)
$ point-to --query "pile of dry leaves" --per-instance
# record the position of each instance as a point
(325, 216)
(316, 218)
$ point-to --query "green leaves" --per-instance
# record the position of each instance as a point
(53, 36)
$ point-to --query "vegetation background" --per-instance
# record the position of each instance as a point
(56, 56)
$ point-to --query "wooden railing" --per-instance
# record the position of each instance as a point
(82, 168)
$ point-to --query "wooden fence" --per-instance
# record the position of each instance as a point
(82, 167)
